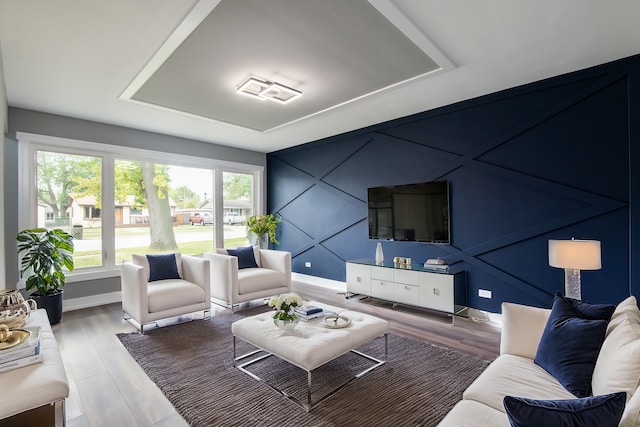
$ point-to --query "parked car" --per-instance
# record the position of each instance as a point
(233, 218)
(202, 219)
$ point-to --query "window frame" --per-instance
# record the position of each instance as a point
(30, 143)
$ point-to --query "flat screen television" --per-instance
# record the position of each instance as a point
(413, 212)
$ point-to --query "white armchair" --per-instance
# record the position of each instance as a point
(147, 301)
(233, 285)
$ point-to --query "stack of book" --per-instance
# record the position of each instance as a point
(440, 268)
(24, 354)
(306, 313)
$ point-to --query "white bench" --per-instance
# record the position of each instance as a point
(37, 391)
(310, 345)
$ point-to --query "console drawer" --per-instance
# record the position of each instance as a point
(382, 273)
(406, 294)
(382, 289)
(407, 277)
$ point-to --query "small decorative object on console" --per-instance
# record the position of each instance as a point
(379, 254)
(436, 264)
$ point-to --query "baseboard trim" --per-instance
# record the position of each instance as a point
(91, 301)
(319, 281)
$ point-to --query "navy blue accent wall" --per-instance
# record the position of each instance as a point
(555, 159)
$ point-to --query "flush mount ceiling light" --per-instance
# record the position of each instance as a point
(262, 90)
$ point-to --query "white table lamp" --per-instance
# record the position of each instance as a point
(574, 255)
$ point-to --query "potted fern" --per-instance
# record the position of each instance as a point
(45, 255)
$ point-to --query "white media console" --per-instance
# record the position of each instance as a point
(411, 285)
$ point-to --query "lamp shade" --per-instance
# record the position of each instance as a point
(575, 254)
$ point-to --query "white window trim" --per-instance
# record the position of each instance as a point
(29, 143)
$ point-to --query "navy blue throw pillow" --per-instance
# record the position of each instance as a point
(601, 411)
(245, 255)
(162, 267)
(571, 341)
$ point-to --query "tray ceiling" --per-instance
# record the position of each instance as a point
(173, 67)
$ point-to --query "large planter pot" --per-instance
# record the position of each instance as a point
(52, 303)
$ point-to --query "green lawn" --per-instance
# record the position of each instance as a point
(84, 259)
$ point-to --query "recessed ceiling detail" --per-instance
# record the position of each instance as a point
(264, 90)
(337, 52)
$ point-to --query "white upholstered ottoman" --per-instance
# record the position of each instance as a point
(310, 345)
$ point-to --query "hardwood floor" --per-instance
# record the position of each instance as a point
(107, 387)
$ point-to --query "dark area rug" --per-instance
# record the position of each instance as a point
(192, 363)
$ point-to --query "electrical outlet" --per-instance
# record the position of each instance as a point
(307, 264)
(483, 293)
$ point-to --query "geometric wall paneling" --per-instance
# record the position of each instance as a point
(459, 129)
(372, 162)
(517, 210)
(292, 238)
(320, 212)
(518, 206)
(346, 244)
(587, 134)
(487, 276)
(548, 160)
(634, 175)
(323, 264)
(530, 122)
(291, 183)
(490, 210)
(386, 161)
(316, 161)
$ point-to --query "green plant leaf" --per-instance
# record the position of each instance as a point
(45, 254)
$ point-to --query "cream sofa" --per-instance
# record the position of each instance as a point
(232, 285)
(514, 372)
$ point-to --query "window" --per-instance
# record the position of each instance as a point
(238, 204)
(91, 212)
(117, 201)
(66, 185)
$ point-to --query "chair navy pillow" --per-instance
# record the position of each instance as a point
(246, 257)
(162, 266)
(601, 411)
(571, 341)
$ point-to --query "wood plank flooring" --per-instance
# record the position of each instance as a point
(108, 388)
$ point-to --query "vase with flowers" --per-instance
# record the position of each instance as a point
(284, 305)
(263, 227)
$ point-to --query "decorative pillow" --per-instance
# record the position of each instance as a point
(571, 342)
(245, 255)
(601, 411)
(627, 308)
(142, 261)
(618, 364)
(256, 253)
(162, 267)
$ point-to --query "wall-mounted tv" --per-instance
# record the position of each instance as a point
(413, 212)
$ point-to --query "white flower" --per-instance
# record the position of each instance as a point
(283, 304)
(273, 301)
